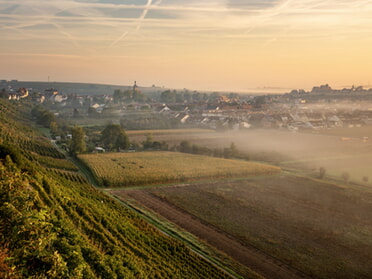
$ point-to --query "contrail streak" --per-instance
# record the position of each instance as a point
(140, 19)
(119, 39)
(144, 13)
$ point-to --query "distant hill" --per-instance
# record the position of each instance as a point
(76, 88)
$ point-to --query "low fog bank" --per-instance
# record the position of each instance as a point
(310, 151)
(306, 150)
(331, 106)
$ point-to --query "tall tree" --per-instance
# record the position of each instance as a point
(118, 96)
(43, 116)
(78, 140)
(3, 93)
(128, 96)
(114, 136)
(168, 96)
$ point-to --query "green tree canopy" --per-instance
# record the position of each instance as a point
(118, 96)
(3, 93)
(43, 116)
(114, 136)
(78, 140)
(168, 96)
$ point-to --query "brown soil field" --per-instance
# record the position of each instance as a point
(259, 262)
(281, 226)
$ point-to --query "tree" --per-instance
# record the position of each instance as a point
(78, 140)
(148, 143)
(43, 116)
(53, 127)
(138, 96)
(128, 96)
(185, 146)
(233, 150)
(260, 100)
(345, 176)
(46, 118)
(76, 113)
(118, 96)
(3, 93)
(322, 172)
(213, 97)
(234, 96)
(92, 112)
(365, 179)
(114, 136)
(168, 96)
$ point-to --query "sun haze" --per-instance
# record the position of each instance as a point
(213, 45)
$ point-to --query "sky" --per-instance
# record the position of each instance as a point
(234, 45)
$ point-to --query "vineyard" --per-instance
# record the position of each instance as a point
(16, 131)
(142, 168)
(56, 225)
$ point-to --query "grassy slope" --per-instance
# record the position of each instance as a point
(55, 225)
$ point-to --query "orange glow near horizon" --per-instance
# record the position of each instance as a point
(219, 45)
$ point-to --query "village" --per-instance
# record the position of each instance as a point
(320, 108)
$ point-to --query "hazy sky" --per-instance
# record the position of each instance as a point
(217, 45)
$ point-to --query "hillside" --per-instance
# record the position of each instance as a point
(54, 224)
(76, 88)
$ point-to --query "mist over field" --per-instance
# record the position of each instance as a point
(317, 223)
(165, 139)
(338, 150)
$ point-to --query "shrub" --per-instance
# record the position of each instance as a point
(345, 176)
(322, 172)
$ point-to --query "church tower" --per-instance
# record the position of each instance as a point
(134, 87)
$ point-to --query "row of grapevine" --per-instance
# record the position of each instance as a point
(56, 225)
(40, 147)
(68, 175)
(110, 237)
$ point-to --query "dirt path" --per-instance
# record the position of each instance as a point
(259, 262)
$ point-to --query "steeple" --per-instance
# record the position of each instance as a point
(135, 87)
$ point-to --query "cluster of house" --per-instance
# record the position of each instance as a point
(20, 93)
(292, 119)
(279, 111)
(295, 120)
(15, 93)
(326, 89)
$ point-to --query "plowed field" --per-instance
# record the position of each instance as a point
(281, 226)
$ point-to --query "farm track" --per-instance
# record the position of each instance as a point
(249, 256)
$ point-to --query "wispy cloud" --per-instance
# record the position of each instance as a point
(29, 54)
(119, 39)
(132, 28)
(139, 21)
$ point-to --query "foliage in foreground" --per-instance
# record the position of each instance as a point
(55, 225)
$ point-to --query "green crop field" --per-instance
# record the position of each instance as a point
(141, 168)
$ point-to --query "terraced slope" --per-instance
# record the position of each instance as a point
(56, 225)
